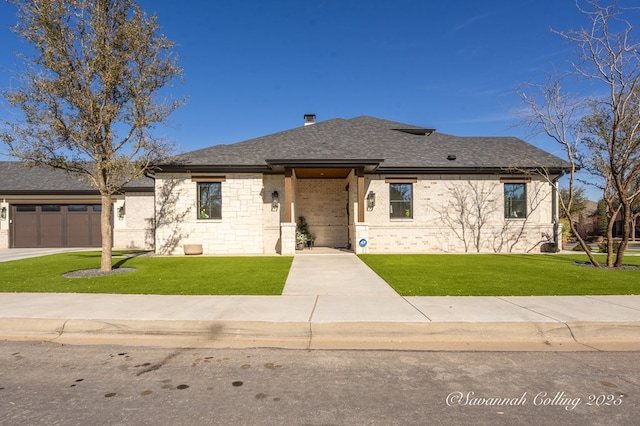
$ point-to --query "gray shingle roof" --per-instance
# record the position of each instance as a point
(17, 178)
(371, 138)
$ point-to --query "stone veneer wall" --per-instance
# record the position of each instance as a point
(250, 225)
(272, 216)
(240, 231)
(433, 201)
(135, 229)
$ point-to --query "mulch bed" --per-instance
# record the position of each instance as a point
(629, 267)
(88, 273)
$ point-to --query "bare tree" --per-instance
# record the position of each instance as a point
(556, 115)
(610, 56)
(579, 201)
(90, 94)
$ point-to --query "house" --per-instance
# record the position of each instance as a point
(45, 207)
(366, 184)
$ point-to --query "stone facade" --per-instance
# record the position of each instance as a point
(442, 204)
(134, 230)
(247, 220)
(252, 224)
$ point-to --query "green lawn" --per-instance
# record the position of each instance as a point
(410, 275)
(259, 275)
(501, 275)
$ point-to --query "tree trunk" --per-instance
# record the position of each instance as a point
(626, 222)
(584, 245)
(107, 233)
(611, 220)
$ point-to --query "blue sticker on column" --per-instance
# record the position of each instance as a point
(362, 243)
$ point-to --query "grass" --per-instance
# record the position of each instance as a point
(153, 275)
(501, 275)
(409, 275)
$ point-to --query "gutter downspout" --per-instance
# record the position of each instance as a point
(554, 208)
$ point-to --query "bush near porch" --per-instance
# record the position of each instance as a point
(502, 275)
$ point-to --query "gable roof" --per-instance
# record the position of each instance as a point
(390, 146)
(16, 178)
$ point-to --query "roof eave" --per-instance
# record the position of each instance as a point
(369, 165)
(469, 170)
(61, 192)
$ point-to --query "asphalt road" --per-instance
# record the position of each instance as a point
(52, 384)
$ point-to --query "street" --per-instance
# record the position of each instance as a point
(48, 383)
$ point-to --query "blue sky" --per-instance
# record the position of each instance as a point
(253, 68)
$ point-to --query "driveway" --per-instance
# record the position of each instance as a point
(24, 253)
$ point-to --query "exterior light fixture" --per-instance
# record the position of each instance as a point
(275, 200)
(371, 200)
(121, 212)
(3, 213)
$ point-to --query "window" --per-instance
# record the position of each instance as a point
(515, 200)
(209, 200)
(77, 208)
(400, 200)
(50, 208)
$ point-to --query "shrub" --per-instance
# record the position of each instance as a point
(602, 247)
(578, 247)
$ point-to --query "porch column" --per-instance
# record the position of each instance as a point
(288, 226)
(360, 174)
(288, 191)
(287, 239)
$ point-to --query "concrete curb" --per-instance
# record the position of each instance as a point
(482, 336)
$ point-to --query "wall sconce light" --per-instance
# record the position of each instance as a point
(275, 200)
(121, 212)
(371, 200)
(3, 213)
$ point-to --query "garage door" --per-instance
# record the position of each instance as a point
(56, 225)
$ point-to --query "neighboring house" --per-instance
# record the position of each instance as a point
(45, 207)
(366, 184)
(634, 226)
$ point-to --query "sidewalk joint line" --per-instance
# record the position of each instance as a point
(416, 308)
(596, 297)
(528, 309)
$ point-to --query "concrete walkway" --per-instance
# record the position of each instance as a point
(24, 253)
(336, 273)
(330, 300)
